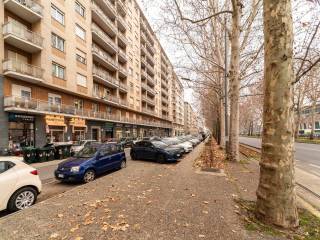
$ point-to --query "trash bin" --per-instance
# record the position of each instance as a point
(50, 154)
(42, 154)
(66, 152)
(58, 152)
(29, 155)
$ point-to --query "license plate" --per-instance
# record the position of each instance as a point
(60, 175)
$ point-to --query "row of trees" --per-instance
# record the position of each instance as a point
(249, 45)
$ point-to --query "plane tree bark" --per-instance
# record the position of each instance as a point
(276, 197)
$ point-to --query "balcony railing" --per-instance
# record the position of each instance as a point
(110, 6)
(104, 17)
(103, 54)
(22, 32)
(39, 106)
(148, 88)
(104, 36)
(122, 38)
(122, 54)
(19, 67)
(149, 100)
(123, 86)
(122, 7)
(149, 111)
(104, 75)
(123, 70)
(32, 5)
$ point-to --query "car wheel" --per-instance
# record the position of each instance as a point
(89, 176)
(123, 164)
(161, 158)
(22, 199)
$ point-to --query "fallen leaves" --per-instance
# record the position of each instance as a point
(74, 229)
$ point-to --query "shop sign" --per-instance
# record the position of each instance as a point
(78, 122)
(13, 117)
(119, 125)
(108, 127)
(54, 120)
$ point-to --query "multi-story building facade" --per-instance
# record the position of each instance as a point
(177, 94)
(309, 117)
(191, 125)
(83, 69)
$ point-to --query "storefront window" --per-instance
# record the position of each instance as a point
(21, 134)
(56, 134)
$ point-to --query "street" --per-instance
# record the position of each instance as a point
(307, 156)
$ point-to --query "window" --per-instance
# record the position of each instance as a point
(80, 9)
(58, 71)
(81, 56)
(54, 99)
(81, 80)
(57, 14)
(57, 42)
(80, 32)
(78, 104)
(317, 125)
(5, 166)
(21, 91)
(95, 107)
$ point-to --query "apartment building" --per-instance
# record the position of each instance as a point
(177, 94)
(310, 115)
(191, 125)
(83, 69)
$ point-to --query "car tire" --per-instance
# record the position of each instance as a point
(22, 198)
(123, 164)
(89, 176)
(161, 158)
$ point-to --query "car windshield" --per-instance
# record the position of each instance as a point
(87, 152)
(159, 144)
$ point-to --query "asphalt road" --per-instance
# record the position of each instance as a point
(307, 155)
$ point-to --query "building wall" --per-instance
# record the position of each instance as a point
(134, 38)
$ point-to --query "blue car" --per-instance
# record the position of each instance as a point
(92, 161)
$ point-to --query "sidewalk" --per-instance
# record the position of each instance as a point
(144, 201)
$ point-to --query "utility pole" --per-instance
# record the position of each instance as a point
(226, 79)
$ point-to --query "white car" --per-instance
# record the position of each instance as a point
(80, 145)
(19, 184)
(187, 146)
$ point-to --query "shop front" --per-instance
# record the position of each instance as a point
(119, 131)
(78, 129)
(55, 128)
(21, 131)
(108, 129)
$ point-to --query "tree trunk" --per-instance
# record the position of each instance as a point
(233, 153)
(222, 125)
(276, 196)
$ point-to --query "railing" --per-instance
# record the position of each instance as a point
(103, 35)
(148, 88)
(149, 100)
(123, 38)
(149, 111)
(46, 107)
(122, 7)
(103, 54)
(122, 53)
(110, 6)
(123, 86)
(123, 70)
(33, 5)
(20, 31)
(124, 102)
(151, 48)
(105, 18)
(122, 22)
(164, 100)
(104, 75)
(22, 68)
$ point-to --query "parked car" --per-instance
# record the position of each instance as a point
(126, 142)
(155, 150)
(19, 184)
(175, 142)
(80, 145)
(93, 160)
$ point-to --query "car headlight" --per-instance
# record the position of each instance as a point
(75, 169)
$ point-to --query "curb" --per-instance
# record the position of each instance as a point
(308, 206)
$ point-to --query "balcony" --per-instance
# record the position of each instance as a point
(19, 104)
(122, 56)
(124, 102)
(149, 100)
(150, 70)
(164, 92)
(107, 7)
(122, 40)
(147, 110)
(151, 48)
(148, 89)
(103, 39)
(164, 100)
(17, 35)
(103, 77)
(23, 71)
(122, 26)
(123, 87)
(123, 72)
(102, 57)
(103, 20)
(122, 9)
(29, 10)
